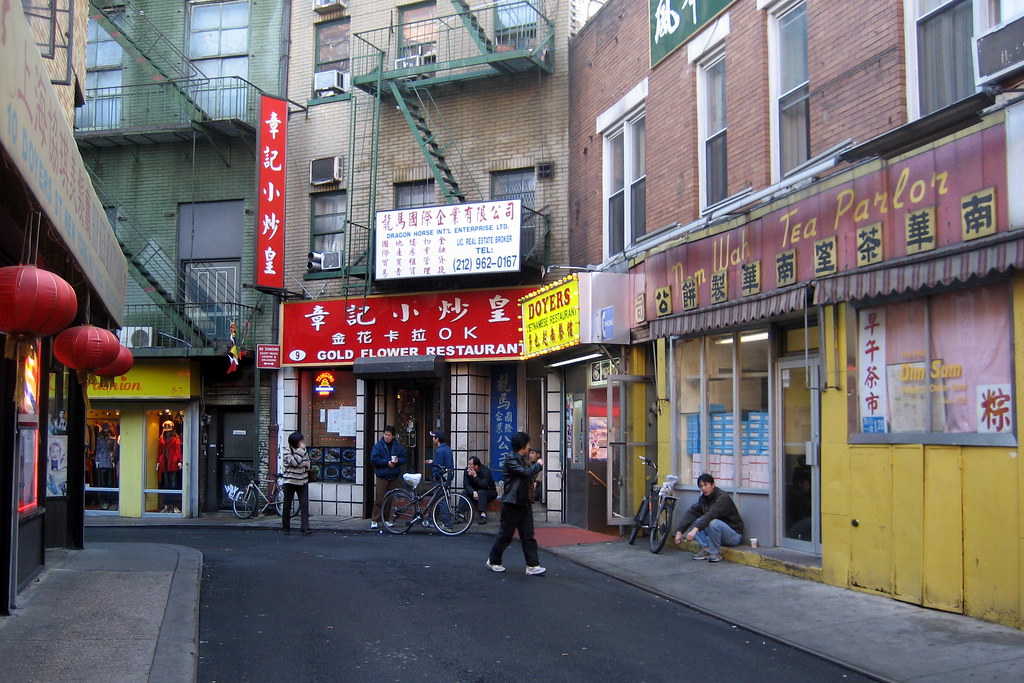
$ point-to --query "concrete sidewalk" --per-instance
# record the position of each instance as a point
(111, 612)
(873, 635)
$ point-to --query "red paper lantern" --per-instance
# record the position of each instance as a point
(121, 365)
(86, 347)
(35, 302)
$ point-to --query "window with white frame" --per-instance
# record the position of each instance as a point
(103, 76)
(943, 52)
(415, 194)
(219, 47)
(791, 116)
(1006, 10)
(328, 229)
(625, 185)
(712, 130)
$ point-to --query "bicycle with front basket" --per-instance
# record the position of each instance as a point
(656, 510)
(247, 503)
(403, 508)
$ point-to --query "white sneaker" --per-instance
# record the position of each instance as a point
(373, 525)
(535, 571)
(495, 567)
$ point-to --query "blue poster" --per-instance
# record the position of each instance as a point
(503, 415)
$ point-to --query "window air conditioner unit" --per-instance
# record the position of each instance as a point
(324, 6)
(326, 170)
(331, 82)
(323, 260)
(136, 337)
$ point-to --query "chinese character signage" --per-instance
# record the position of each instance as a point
(504, 412)
(460, 325)
(551, 317)
(871, 372)
(457, 239)
(273, 134)
(673, 21)
(874, 214)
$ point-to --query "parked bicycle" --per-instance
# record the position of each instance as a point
(247, 504)
(656, 510)
(403, 508)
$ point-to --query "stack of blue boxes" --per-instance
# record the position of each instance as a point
(723, 427)
(754, 434)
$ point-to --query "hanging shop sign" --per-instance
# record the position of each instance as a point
(946, 194)
(268, 356)
(458, 325)
(273, 137)
(674, 21)
(459, 239)
(170, 378)
(551, 317)
(35, 134)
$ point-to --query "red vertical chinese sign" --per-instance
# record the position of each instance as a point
(273, 136)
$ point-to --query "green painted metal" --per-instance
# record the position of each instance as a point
(432, 152)
(476, 31)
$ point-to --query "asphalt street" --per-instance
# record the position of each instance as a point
(375, 607)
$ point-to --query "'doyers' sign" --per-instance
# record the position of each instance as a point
(551, 317)
(953, 193)
(273, 137)
(460, 325)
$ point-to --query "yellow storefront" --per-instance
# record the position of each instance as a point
(142, 441)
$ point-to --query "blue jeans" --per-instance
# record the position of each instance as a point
(716, 535)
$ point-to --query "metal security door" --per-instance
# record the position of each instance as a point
(798, 426)
(629, 440)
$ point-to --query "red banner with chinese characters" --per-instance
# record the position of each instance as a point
(877, 212)
(273, 137)
(459, 325)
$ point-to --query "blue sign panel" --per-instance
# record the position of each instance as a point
(504, 414)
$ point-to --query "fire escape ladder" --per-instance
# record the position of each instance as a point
(150, 267)
(411, 108)
(151, 50)
(476, 31)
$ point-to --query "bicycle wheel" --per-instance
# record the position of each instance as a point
(397, 511)
(279, 503)
(662, 527)
(460, 514)
(244, 506)
(639, 521)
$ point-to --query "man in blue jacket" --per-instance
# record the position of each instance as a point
(387, 457)
(443, 465)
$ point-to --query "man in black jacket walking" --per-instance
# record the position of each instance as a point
(516, 511)
(713, 521)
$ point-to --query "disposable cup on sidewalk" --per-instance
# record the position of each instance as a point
(753, 543)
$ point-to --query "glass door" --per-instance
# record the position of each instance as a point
(629, 439)
(799, 443)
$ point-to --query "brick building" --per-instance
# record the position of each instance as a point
(811, 212)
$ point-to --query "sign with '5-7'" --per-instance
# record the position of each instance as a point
(459, 325)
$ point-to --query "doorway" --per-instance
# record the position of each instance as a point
(629, 444)
(798, 430)
(232, 451)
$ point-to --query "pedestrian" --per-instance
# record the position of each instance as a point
(442, 468)
(516, 511)
(536, 487)
(387, 456)
(713, 521)
(478, 485)
(296, 482)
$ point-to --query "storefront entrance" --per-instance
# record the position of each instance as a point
(799, 442)
(412, 407)
(629, 445)
(231, 453)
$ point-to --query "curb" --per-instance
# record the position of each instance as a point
(176, 658)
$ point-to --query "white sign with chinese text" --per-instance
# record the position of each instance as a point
(459, 239)
(872, 382)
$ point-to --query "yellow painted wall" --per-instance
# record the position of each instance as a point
(132, 452)
(941, 526)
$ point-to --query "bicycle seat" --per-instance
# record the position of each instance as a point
(412, 480)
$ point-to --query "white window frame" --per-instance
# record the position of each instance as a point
(618, 120)
(985, 14)
(776, 10)
(703, 128)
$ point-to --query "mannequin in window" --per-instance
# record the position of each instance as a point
(168, 466)
(106, 460)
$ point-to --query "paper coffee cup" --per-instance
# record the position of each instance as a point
(753, 543)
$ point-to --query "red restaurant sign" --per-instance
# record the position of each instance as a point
(273, 136)
(955, 192)
(460, 325)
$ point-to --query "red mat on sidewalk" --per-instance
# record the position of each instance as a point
(551, 536)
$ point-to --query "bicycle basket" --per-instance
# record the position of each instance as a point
(413, 480)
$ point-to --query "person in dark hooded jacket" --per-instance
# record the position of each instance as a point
(516, 511)
(387, 456)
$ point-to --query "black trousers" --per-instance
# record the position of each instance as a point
(484, 499)
(516, 518)
(289, 495)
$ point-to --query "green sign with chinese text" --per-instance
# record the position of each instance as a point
(674, 21)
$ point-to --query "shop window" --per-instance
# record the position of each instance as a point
(920, 378)
(721, 399)
(331, 442)
(27, 444)
(165, 461)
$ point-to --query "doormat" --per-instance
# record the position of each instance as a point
(553, 536)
